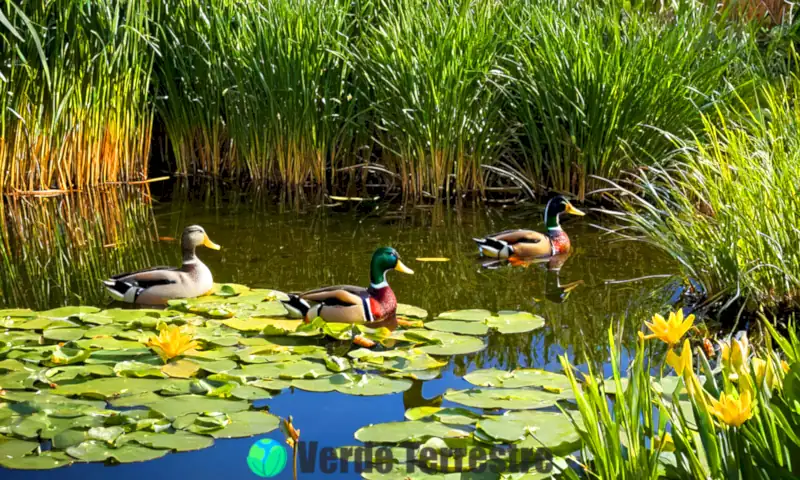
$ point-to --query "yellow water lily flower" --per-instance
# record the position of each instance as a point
(670, 331)
(171, 342)
(681, 363)
(733, 411)
(735, 355)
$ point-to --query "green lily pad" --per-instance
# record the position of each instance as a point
(181, 368)
(444, 343)
(114, 387)
(551, 429)
(410, 431)
(45, 461)
(105, 434)
(506, 398)
(470, 315)
(458, 326)
(247, 424)
(107, 343)
(10, 365)
(63, 334)
(515, 322)
(179, 441)
(95, 451)
(410, 311)
(67, 312)
(450, 416)
(249, 392)
(174, 407)
(15, 448)
(298, 369)
(68, 438)
(366, 384)
(133, 368)
(526, 377)
(64, 374)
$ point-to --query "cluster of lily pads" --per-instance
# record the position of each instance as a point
(81, 384)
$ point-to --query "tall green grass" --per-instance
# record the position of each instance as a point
(596, 85)
(74, 93)
(430, 73)
(726, 206)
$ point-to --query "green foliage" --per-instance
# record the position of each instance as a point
(725, 204)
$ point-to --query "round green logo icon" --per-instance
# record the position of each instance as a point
(266, 458)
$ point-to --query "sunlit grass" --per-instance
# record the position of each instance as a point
(74, 94)
(726, 206)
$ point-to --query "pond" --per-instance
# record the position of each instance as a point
(56, 250)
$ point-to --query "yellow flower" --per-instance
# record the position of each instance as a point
(171, 342)
(735, 355)
(670, 331)
(681, 363)
(785, 366)
(666, 444)
(764, 373)
(733, 411)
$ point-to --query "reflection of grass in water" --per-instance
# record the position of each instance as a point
(56, 250)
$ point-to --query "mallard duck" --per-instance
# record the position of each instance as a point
(157, 285)
(527, 243)
(375, 306)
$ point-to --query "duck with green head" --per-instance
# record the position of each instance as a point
(528, 243)
(375, 306)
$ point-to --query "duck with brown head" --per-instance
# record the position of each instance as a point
(158, 285)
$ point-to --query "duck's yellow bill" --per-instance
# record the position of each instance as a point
(402, 268)
(573, 211)
(208, 243)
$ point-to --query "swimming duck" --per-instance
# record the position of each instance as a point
(375, 306)
(156, 286)
(527, 243)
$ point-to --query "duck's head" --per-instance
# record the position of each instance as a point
(383, 260)
(555, 207)
(194, 236)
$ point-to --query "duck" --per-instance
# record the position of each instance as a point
(375, 306)
(159, 285)
(529, 243)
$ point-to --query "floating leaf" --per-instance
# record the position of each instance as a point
(444, 343)
(179, 441)
(410, 431)
(15, 448)
(515, 322)
(552, 430)
(470, 315)
(247, 424)
(526, 377)
(63, 334)
(181, 368)
(63, 374)
(458, 326)
(411, 311)
(94, 451)
(450, 416)
(45, 461)
(298, 369)
(365, 384)
(511, 399)
(174, 407)
(67, 312)
(132, 368)
(114, 387)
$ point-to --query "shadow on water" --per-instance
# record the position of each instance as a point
(55, 251)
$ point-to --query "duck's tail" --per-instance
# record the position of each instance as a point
(296, 306)
(494, 248)
(122, 291)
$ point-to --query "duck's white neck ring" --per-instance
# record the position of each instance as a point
(378, 286)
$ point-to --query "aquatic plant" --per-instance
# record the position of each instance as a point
(725, 204)
(595, 86)
(171, 342)
(672, 330)
(75, 106)
(712, 416)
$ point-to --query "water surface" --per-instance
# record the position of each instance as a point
(57, 250)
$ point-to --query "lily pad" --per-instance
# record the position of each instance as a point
(526, 377)
(181, 368)
(410, 431)
(174, 407)
(444, 343)
(458, 326)
(67, 312)
(298, 369)
(133, 368)
(470, 315)
(506, 398)
(515, 322)
(179, 441)
(450, 416)
(45, 461)
(63, 334)
(552, 430)
(15, 448)
(366, 384)
(247, 424)
(94, 451)
(114, 387)
(410, 311)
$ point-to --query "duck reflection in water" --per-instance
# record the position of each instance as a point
(554, 291)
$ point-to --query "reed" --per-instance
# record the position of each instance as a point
(74, 94)
(726, 205)
(595, 87)
(430, 72)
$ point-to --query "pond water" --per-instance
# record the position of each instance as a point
(55, 251)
